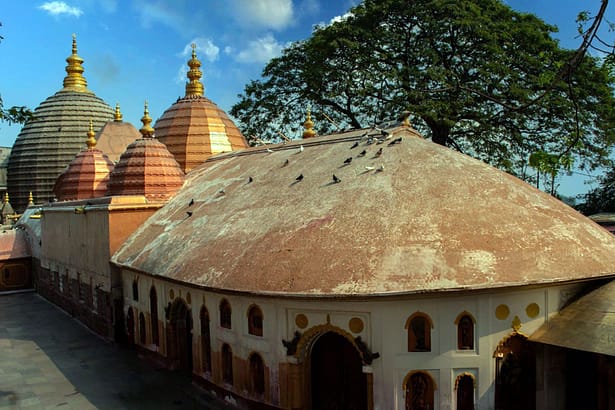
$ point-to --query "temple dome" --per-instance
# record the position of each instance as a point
(194, 128)
(406, 216)
(49, 142)
(146, 168)
(115, 136)
(86, 176)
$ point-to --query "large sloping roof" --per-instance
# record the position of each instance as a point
(587, 324)
(431, 220)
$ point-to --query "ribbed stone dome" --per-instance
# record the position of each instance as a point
(50, 141)
(86, 176)
(146, 168)
(194, 128)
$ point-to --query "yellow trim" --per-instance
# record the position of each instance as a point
(312, 334)
(416, 314)
(462, 314)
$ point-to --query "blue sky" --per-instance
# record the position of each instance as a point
(136, 50)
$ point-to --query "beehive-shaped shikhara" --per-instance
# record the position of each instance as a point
(87, 175)
(146, 168)
(50, 141)
(194, 128)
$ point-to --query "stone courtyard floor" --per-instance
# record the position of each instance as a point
(48, 360)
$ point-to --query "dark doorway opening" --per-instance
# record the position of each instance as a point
(337, 378)
(515, 379)
(181, 335)
(130, 326)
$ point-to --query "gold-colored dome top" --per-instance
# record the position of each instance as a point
(91, 141)
(118, 114)
(309, 125)
(30, 199)
(146, 131)
(6, 197)
(194, 87)
(74, 80)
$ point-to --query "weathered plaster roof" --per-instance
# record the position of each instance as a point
(431, 220)
(114, 137)
(587, 324)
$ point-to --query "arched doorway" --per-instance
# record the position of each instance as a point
(465, 392)
(515, 377)
(419, 391)
(153, 309)
(180, 335)
(130, 326)
(205, 340)
(337, 378)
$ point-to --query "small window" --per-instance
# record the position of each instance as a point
(225, 314)
(257, 374)
(142, 333)
(205, 340)
(419, 332)
(153, 307)
(135, 290)
(465, 332)
(227, 364)
(255, 321)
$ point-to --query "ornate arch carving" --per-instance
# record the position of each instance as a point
(500, 347)
(460, 375)
(426, 373)
(312, 334)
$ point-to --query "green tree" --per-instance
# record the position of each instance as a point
(476, 76)
(601, 198)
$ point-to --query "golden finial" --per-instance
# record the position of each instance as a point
(6, 197)
(74, 80)
(309, 125)
(118, 113)
(146, 131)
(516, 324)
(194, 88)
(405, 119)
(91, 141)
(30, 199)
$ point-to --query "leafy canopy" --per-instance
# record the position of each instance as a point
(476, 75)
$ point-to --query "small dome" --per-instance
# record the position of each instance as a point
(194, 128)
(115, 136)
(146, 168)
(50, 141)
(86, 176)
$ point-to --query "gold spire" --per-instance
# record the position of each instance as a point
(74, 80)
(147, 131)
(6, 197)
(309, 125)
(118, 114)
(91, 141)
(30, 199)
(194, 88)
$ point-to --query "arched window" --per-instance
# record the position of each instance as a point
(135, 290)
(465, 391)
(419, 332)
(130, 326)
(257, 374)
(205, 340)
(225, 314)
(153, 308)
(255, 321)
(465, 331)
(142, 333)
(419, 388)
(227, 364)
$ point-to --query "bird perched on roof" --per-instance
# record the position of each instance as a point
(191, 202)
(336, 180)
(370, 140)
(250, 179)
(369, 168)
(189, 214)
(356, 144)
(299, 178)
(362, 153)
(348, 160)
(221, 192)
(285, 162)
(378, 153)
(269, 150)
(301, 148)
(395, 141)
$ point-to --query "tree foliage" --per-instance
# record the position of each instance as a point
(600, 199)
(476, 75)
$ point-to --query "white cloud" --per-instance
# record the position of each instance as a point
(204, 47)
(152, 12)
(260, 50)
(229, 50)
(275, 14)
(57, 8)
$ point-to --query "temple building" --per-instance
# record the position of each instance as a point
(367, 269)
(50, 140)
(115, 136)
(194, 128)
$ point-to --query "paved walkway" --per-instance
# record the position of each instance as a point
(48, 360)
